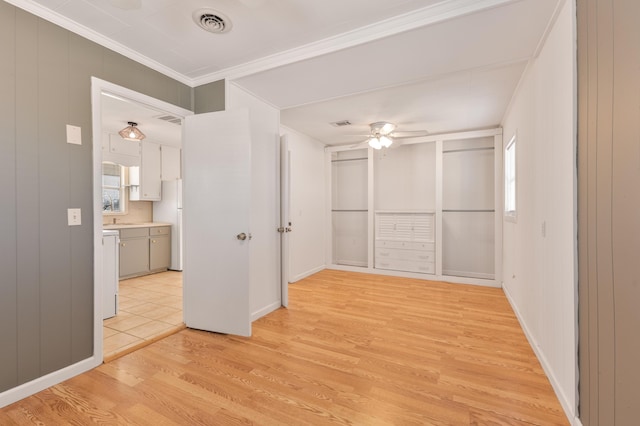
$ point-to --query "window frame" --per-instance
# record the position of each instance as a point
(121, 189)
(511, 180)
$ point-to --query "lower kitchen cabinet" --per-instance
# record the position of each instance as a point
(159, 248)
(144, 250)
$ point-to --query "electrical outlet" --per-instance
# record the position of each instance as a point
(74, 217)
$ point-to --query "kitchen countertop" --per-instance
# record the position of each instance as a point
(134, 225)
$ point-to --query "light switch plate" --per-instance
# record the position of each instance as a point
(74, 217)
(74, 134)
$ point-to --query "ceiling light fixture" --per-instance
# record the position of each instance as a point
(131, 132)
(380, 141)
(380, 134)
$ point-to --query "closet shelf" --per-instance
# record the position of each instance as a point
(340, 160)
(468, 211)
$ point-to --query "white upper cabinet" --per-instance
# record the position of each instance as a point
(150, 184)
(120, 151)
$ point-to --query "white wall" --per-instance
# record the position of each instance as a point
(265, 288)
(307, 205)
(405, 177)
(539, 267)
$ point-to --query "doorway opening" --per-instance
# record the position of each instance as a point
(142, 302)
(150, 308)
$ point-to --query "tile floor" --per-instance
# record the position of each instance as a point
(150, 309)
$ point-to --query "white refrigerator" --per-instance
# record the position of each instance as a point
(169, 210)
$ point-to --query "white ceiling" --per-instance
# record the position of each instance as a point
(117, 112)
(439, 65)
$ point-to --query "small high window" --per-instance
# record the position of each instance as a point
(510, 211)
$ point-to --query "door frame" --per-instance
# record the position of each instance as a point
(99, 86)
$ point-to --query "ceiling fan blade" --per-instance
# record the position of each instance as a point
(362, 144)
(126, 4)
(396, 143)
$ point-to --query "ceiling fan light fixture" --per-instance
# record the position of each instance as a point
(131, 132)
(382, 128)
(375, 143)
(385, 141)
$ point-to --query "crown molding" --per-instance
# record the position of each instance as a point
(66, 23)
(409, 21)
(426, 16)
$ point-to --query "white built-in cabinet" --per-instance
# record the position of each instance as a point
(145, 182)
(405, 241)
(429, 208)
(158, 163)
(119, 151)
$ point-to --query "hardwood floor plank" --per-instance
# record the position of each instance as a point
(352, 348)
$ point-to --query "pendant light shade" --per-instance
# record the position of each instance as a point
(131, 132)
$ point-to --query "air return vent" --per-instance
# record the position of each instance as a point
(212, 21)
(341, 123)
(170, 118)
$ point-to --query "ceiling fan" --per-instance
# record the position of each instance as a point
(383, 135)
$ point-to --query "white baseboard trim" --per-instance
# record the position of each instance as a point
(27, 389)
(426, 277)
(266, 310)
(307, 274)
(569, 410)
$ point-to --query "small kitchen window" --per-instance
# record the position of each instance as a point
(510, 211)
(113, 187)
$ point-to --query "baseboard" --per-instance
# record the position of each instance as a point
(569, 410)
(266, 310)
(307, 274)
(426, 277)
(27, 389)
(468, 274)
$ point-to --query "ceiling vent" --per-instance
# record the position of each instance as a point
(170, 118)
(341, 123)
(212, 21)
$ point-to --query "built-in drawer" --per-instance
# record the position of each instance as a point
(401, 254)
(410, 245)
(159, 230)
(133, 232)
(405, 265)
(423, 246)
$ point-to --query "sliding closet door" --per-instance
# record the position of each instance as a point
(468, 208)
(349, 207)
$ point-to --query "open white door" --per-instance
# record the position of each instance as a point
(216, 211)
(285, 221)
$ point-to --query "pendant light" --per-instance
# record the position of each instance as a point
(131, 132)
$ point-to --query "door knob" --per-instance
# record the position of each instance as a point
(241, 236)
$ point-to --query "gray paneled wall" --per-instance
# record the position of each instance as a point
(608, 210)
(46, 267)
(209, 97)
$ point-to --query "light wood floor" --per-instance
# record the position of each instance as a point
(351, 349)
(150, 308)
